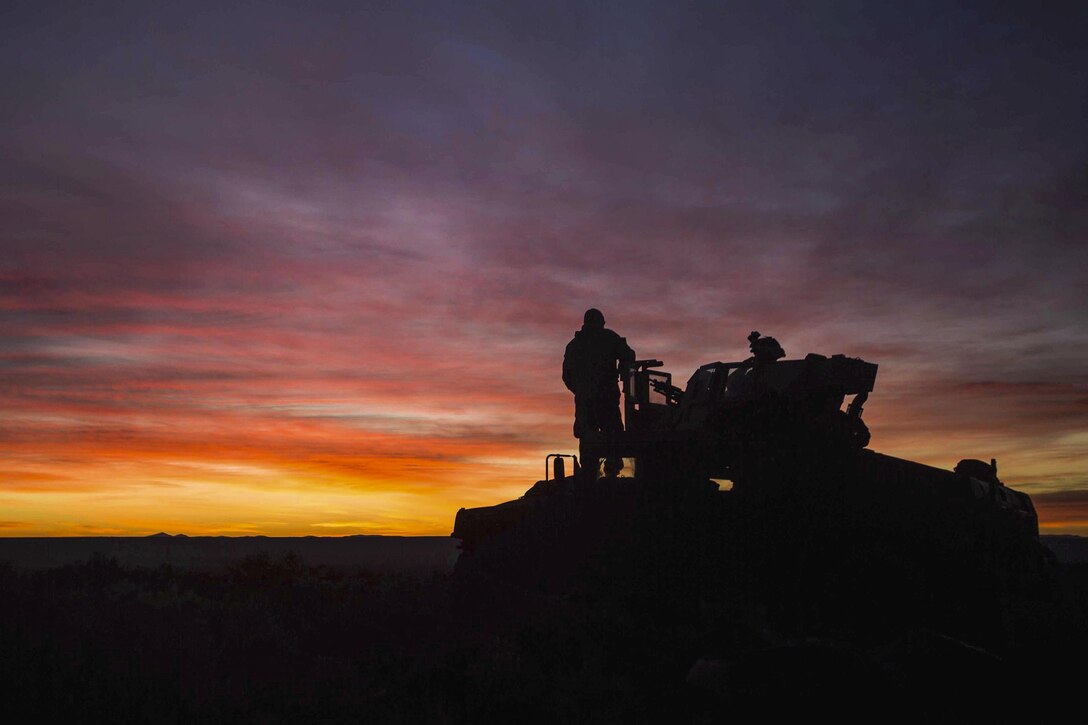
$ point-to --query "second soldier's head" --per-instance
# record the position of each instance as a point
(765, 349)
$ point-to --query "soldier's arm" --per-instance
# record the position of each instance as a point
(624, 354)
(568, 370)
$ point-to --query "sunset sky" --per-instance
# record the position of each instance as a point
(310, 268)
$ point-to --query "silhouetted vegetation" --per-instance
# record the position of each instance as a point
(271, 640)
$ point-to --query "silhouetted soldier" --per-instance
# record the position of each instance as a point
(592, 363)
(765, 351)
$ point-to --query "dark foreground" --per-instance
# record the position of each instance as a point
(404, 554)
(272, 638)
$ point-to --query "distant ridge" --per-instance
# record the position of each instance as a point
(1067, 548)
(376, 553)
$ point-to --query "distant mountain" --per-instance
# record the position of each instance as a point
(1067, 548)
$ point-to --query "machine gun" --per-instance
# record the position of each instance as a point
(670, 392)
(641, 377)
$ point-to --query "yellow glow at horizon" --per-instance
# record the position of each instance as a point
(113, 492)
(223, 498)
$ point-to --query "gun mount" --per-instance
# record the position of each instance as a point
(731, 413)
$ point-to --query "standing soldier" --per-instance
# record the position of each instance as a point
(594, 360)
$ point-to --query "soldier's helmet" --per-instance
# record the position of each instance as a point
(593, 317)
(765, 348)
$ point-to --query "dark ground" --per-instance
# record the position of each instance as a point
(401, 554)
(271, 638)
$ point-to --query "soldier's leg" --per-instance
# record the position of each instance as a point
(610, 419)
(581, 416)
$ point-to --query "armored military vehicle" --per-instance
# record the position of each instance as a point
(755, 480)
